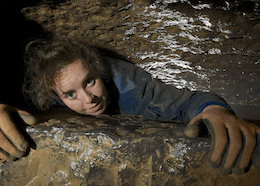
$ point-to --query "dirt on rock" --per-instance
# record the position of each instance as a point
(208, 46)
(119, 150)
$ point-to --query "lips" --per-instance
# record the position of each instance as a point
(94, 108)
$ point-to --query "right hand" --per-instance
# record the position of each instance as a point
(13, 144)
(234, 141)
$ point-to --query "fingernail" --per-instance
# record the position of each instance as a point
(29, 119)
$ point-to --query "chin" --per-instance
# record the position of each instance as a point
(96, 113)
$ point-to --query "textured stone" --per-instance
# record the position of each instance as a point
(119, 150)
(200, 45)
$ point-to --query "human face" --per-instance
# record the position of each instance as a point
(81, 90)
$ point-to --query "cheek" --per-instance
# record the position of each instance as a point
(75, 105)
(100, 90)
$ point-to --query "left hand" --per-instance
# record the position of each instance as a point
(13, 144)
(234, 141)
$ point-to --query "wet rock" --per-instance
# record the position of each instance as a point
(202, 45)
(194, 44)
(118, 150)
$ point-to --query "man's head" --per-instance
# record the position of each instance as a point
(66, 69)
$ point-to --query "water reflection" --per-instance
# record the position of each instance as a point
(199, 47)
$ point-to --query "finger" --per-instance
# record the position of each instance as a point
(193, 130)
(246, 153)
(12, 133)
(2, 157)
(256, 154)
(219, 141)
(8, 151)
(6, 157)
(26, 117)
(233, 150)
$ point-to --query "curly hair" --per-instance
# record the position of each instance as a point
(44, 60)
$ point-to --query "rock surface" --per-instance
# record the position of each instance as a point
(119, 150)
(210, 45)
(202, 45)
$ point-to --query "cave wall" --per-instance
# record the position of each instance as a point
(202, 45)
(211, 45)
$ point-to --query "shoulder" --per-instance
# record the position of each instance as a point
(117, 64)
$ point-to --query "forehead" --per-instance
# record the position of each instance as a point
(71, 74)
(75, 66)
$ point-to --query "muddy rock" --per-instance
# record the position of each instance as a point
(202, 45)
(119, 150)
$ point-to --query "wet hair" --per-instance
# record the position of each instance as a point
(44, 60)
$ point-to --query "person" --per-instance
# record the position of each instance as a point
(70, 73)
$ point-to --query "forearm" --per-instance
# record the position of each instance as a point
(216, 109)
(202, 100)
(227, 130)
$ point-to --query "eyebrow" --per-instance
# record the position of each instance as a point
(65, 93)
(90, 74)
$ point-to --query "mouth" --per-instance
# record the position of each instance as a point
(95, 108)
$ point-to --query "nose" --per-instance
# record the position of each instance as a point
(86, 97)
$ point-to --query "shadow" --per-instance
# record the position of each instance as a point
(15, 31)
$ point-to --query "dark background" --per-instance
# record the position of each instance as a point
(15, 31)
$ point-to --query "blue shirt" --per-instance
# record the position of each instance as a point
(134, 91)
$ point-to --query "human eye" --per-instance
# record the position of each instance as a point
(70, 95)
(90, 82)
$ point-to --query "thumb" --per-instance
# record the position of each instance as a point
(192, 130)
(26, 117)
